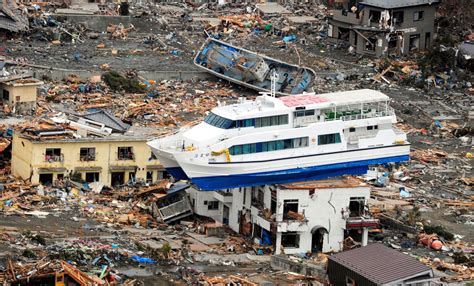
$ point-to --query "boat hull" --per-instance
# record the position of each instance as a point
(299, 79)
(169, 163)
(292, 175)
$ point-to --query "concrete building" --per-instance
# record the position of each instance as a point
(86, 149)
(19, 94)
(295, 218)
(384, 27)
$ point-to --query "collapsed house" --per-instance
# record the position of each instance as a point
(102, 149)
(383, 27)
(295, 218)
(11, 18)
(19, 94)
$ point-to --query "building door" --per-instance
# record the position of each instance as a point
(46, 179)
(131, 177)
(317, 239)
(225, 216)
(92, 177)
(118, 178)
(427, 41)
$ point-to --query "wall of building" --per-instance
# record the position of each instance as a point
(29, 157)
(322, 209)
(200, 202)
(24, 93)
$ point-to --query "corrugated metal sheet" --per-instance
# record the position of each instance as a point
(376, 263)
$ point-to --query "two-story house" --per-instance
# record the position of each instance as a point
(384, 27)
(295, 218)
(90, 150)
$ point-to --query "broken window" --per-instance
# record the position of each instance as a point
(92, 177)
(46, 179)
(212, 205)
(125, 153)
(149, 176)
(6, 95)
(53, 155)
(397, 17)
(87, 154)
(289, 206)
(356, 206)
(370, 43)
(374, 16)
(414, 42)
(418, 16)
(290, 239)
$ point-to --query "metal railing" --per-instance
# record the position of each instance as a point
(87, 158)
(125, 156)
(54, 158)
(174, 209)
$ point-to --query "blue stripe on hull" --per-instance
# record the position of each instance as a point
(292, 175)
(177, 173)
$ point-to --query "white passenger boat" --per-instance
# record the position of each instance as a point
(277, 140)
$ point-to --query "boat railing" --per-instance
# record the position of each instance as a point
(388, 112)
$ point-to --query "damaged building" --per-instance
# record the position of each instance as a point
(96, 147)
(306, 217)
(19, 94)
(11, 18)
(383, 27)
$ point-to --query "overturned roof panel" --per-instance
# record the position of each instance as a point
(11, 18)
(108, 119)
(390, 4)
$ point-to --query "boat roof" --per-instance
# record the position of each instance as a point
(266, 104)
(338, 98)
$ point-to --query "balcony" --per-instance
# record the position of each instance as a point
(54, 158)
(223, 197)
(88, 158)
(125, 156)
(346, 17)
(175, 210)
(262, 219)
(361, 221)
(292, 221)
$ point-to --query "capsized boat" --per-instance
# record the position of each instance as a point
(249, 69)
(273, 140)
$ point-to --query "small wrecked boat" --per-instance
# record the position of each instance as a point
(254, 71)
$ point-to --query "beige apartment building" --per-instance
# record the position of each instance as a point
(48, 153)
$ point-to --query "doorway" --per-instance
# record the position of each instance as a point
(225, 216)
(118, 178)
(317, 241)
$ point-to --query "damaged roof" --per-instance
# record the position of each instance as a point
(108, 119)
(11, 19)
(390, 4)
(380, 264)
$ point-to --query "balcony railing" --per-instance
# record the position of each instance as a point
(54, 158)
(87, 158)
(174, 209)
(346, 17)
(123, 157)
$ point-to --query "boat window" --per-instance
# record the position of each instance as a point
(329, 139)
(301, 113)
(271, 120)
(218, 121)
(269, 146)
(352, 129)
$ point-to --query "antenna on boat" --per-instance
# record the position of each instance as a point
(273, 78)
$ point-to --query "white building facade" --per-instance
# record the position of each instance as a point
(295, 218)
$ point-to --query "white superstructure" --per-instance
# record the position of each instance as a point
(293, 138)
